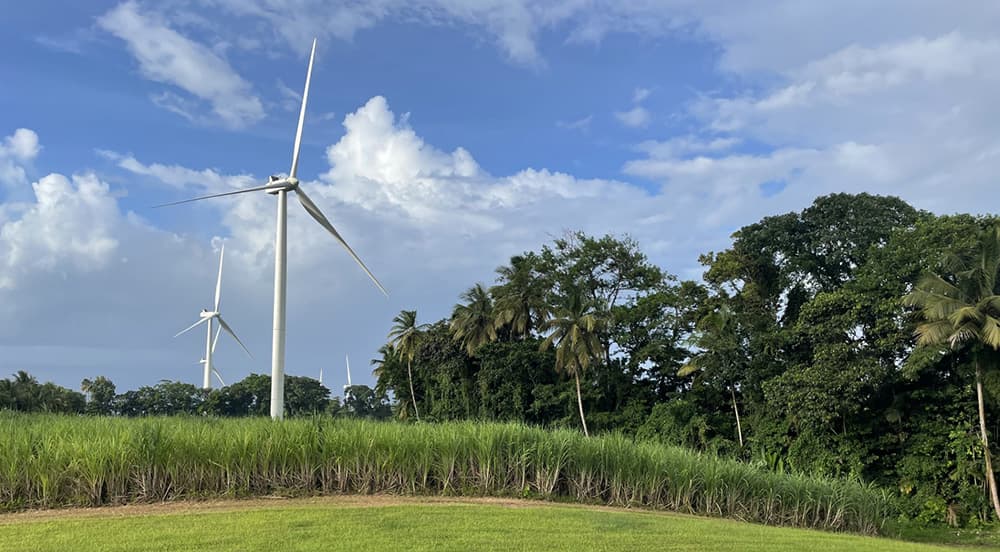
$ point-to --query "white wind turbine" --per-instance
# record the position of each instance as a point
(281, 186)
(209, 316)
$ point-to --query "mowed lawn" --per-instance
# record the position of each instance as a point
(386, 523)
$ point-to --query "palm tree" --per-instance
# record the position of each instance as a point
(574, 333)
(961, 310)
(520, 297)
(405, 338)
(718, 340)
(24, 390)
(473, 323)
(388, 352)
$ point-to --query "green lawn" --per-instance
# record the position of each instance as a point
(385, 524)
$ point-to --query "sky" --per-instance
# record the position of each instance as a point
(442, 137)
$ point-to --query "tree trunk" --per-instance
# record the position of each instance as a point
(739, 428)
(579, 402)
(413, 396)
(990, 479)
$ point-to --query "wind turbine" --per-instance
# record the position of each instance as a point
(209, 316)
(281, 186)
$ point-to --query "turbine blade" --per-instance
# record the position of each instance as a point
(313, 210)
(218, 376)
(216, 340)
(243, 191)
(191, 327)
(230, 331)
(218, 283)
(302, 114)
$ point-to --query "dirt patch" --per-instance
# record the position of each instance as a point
(227, 505)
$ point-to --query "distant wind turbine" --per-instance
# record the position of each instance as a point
(209, 316)
(280, 186)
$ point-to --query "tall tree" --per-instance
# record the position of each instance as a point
(405, 337)
(720, 348)
(100, 394)
(961, 311)
(473, 322)
(521, 296)
(574, 331)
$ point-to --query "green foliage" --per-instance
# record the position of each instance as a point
(57, 461)
(23, 393)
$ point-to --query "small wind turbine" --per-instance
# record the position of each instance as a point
(280, 186)
(210, 316)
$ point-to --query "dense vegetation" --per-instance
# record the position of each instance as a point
(856, 338)
(798, 349)
(50, 460)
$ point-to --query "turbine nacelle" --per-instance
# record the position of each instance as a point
(278, 184)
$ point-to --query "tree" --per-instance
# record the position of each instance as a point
(720, 346)
(575, 334)
(100, 395)
(961, 311)
(473, 323)
(405, 337)
(304, 396)
(361, 401)
(520, 296)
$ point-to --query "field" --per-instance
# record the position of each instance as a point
(54, 461)
(394, 523)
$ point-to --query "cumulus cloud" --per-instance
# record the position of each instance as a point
(70, 224)
(168, 57)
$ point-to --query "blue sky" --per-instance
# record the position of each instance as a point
(443, 136)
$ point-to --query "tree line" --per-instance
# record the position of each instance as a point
(855, 338)
(248, 397)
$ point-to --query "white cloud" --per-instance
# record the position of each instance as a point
(582, 124)
(683, 145)
(177, 176)
(17, 150)
(640, 94)
(69, 224)
(22, 145)
(912, 117)
(636, 117)
(513, 26)
(166, 56)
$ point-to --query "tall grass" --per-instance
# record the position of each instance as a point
(51, 461)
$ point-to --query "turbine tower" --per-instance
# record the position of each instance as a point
(209, 316)
(281, 186)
